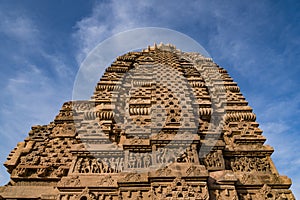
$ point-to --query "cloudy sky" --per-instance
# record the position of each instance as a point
(43, 44)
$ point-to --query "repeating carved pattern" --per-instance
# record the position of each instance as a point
(170, 155)
(266, 192)
(139, 160)
(104, 165)
(154, 115)
(248, 164)
(179, 189)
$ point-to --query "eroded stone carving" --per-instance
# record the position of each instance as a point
(100, 165)
(248, 164)
(214, 160)
(161, 124)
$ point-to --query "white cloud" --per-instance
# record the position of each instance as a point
(100, 25)
(58, 63)
(30, 42)
(18, 27)
(124, 16)
(21, 28)
(33, 81)
(274, 128)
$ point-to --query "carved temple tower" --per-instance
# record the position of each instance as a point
(161, 124)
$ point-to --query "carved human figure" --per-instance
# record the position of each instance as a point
(73, 197)
(21, 171)
(41, 149)
(95, 166)
(171, 155)
(218, 160)
(59, 172)
(169, 189)
(235, 166)
(190, 155)
(159, 155)
(29, 158)
(77, 168)
(168, 155)
(151, 194)
(23, 160)
(105, 165)
(248, 197)
(147, 160)
(138, 157)
(113, 165)
(183, 157)
(164, 156)
(264, 165)
(64, 197)
(117, 163)
(246, 164)
(85, 166)
(100, 165)
(121, 165)
(132, 160)
(159, 193)
(41, 171)
(180, 151)
(191, 189)
(120, 196)
(107, 180)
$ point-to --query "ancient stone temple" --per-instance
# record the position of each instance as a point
(161, 124)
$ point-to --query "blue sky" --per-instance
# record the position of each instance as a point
(44, 42)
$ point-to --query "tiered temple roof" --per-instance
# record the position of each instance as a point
(161, 124)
